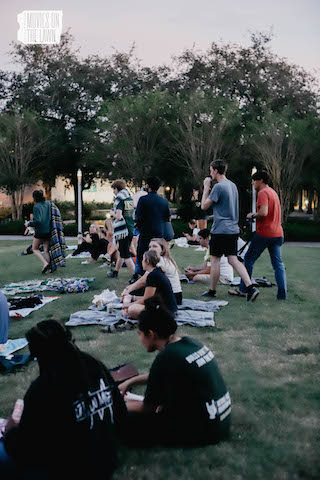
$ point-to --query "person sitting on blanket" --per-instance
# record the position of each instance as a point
(4, 321)
(157, 283)
(107, 233)
(72, 414)
(186, 401)
(167, 265)
(201, 273)
(93, 242)
(192, 239)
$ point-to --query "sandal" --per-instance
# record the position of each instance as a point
(46, 268)
(236, 293)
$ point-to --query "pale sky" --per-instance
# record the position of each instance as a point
(163, 28)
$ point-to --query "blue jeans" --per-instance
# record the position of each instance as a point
(257, 246)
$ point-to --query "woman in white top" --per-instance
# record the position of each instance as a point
(167, 265)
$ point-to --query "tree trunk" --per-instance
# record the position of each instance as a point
(310, 200)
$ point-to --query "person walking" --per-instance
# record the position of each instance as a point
(224, 198)
(269, 233)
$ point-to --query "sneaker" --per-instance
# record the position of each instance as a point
(252, 294)
(133, 279)
(113, 274)
(209, 293)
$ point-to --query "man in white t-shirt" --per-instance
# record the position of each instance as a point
(201, 273)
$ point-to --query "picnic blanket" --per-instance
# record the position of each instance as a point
(23, 312)
(107, 318)
(14, 345)
(29, 286)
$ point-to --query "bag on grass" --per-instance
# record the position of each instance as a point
(123, 372)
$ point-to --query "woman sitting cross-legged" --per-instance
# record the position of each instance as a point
(92, 242)
(156, 283)
(186, 401)
(167, 265)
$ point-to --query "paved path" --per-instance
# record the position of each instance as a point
(27, 238)
(74, 239)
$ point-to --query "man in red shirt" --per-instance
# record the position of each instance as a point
(269, 233)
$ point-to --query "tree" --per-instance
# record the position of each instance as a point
(22, 152)
(133, 131)
(279, 142)
(207, 127)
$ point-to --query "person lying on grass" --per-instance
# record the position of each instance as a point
(72, 414)
(167, 265)
(157, 283)
(186, 400)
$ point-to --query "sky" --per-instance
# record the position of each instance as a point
(163, 28)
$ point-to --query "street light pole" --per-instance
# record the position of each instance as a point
(79, 178)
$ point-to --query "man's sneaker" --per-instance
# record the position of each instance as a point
(252, 294)
(113, 274)
(209, 293)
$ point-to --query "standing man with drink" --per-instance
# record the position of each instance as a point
(224, 198)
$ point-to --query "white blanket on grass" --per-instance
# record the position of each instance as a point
(23, 312)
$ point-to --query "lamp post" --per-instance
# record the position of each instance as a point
(79, 178)
(254, 200)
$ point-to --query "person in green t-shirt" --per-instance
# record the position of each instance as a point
(186, 401)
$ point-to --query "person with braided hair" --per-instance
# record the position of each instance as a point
(72, 413)
(186, 401)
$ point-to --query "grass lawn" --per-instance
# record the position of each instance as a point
(268, 352)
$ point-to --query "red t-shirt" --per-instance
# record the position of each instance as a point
(269, 226)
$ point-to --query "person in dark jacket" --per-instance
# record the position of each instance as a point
(72, 414)
(151, 215)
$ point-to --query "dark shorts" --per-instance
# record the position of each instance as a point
(45, 236)
(222, 244)
(124, 246)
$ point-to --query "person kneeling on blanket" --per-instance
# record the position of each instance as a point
(186, 401)
(72, 413)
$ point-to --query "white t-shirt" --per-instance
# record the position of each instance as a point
(195, 232)
(172, 273)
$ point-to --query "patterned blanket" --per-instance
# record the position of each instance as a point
(57, 247)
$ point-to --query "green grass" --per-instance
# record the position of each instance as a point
(268, 352)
